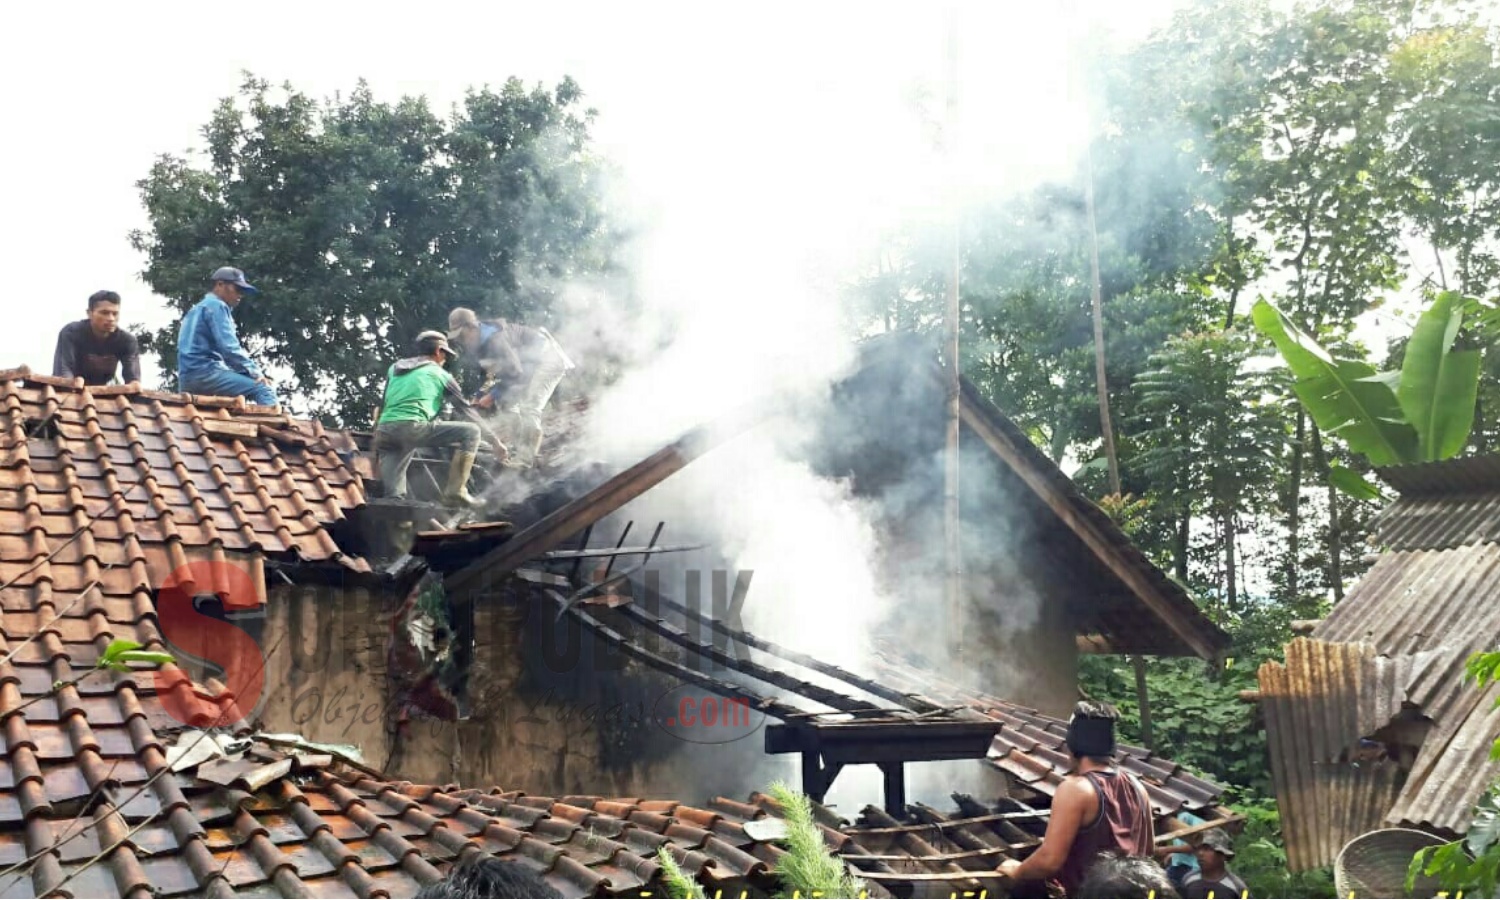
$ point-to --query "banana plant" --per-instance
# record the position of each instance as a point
(1422, 413)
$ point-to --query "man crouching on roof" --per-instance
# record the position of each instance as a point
(415, 389)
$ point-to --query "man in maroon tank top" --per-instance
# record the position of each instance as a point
(1097, 808)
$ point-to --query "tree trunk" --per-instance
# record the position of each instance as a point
(1101, 383)
(1294, 510)
(1231, 585)
(1144, 698)
(1234, 292)
(1335, 527)
(1180, 546)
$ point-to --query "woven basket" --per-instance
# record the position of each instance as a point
(1375, 864)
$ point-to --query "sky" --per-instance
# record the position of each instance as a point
(794, 127)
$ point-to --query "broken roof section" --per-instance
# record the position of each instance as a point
(1372, 720)
(103, 793)
(888, 418)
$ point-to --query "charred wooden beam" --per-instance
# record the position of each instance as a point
(635, 651)
(947, 824)
(873, 688)
(621, 551)
(709, 650)
(583, 547)
(609, 566)
(925, 853)
(599, 502)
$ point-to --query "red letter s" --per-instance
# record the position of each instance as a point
(201, 637)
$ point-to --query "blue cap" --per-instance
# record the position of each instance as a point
(235, 277)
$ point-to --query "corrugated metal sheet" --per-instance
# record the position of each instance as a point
(1436, 523)
(1318, 705)
(1466, 475)
(1400, 639)
(1442, 505)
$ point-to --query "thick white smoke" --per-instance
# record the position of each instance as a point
(744, 236)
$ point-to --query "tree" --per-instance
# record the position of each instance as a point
(364, 222)
(1211, 438)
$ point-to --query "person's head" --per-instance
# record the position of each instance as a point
(1126, 876)
(230, 285)
(434, 346)
(104, 312)
(1091, 732)
(463, 327)
(1214, 850)
(485, 876)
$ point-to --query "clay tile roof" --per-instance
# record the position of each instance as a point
(118, 487)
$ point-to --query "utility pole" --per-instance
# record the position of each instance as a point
(1101, 381)
(951, 518)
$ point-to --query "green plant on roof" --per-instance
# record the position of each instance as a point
(808, 868)
(120, 653)
(1422, 413)
(677, 883)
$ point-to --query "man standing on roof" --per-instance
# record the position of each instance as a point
(93, 348)
(1097, 809)
(210, 359)
(415, 389)
(523, 365)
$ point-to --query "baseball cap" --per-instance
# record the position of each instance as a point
(438, 338)
(235, 277)
(459, 319)
(1216, 839)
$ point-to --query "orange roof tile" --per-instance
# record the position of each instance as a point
(120, 487)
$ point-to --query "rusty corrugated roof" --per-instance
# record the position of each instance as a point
(1442, 505)
(1397, 642)
(1465, 475)
(1318, 705)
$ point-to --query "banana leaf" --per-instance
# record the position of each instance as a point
(1345, 397)
(1352, 483)
(1439, 386)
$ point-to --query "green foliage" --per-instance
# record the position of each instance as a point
(120, 653)
(1345, 397)
(364, 222)
(677, 882)
(1197, 718)
(1439, 385)
(1423, 413)
(807, 868)
(1260, 860)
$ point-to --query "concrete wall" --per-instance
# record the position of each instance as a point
(558, 719)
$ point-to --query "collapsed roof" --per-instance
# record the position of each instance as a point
(110, 490)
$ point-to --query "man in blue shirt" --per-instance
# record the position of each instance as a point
(210, 359)
(1180, 857)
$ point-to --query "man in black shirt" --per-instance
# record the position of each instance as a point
(1213, 878)
(94, 347)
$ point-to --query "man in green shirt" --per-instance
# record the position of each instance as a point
(415, 390)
